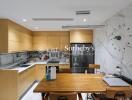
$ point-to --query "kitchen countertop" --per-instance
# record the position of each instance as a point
(21, 69)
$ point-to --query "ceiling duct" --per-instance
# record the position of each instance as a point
(82, 26)
(83, 12)
(52, 19)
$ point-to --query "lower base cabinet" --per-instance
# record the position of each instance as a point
(40, 71)
(25, 80)
(64, 66)
(13, 84)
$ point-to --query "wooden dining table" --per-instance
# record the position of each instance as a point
(80, 83)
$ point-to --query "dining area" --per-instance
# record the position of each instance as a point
(70, 86)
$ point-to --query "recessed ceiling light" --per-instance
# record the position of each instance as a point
(84, 20)
(24, 20)
(36, 27)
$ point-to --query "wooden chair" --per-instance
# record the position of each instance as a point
(112, 94)
(118, 95)
(64, 96)
(95, 67)
(45, 96)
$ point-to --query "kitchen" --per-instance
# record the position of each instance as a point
(75, 43)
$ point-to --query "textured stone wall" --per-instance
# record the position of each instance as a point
(113, 43)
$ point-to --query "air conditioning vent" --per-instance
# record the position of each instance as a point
(52, 19)
(82, 26)
(83, 12)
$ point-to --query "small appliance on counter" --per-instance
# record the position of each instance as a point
(52, 68)
(50, 73)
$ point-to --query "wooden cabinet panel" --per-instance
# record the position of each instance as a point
(26, 41)
(14, 84)
(14, 46)
(64, 66)
(64, 41)
(39, 47)
(81, 36)
(53, 42)
(14, 37)
(11, 46)
(25, 79)
(50, 40)
(63, 46)
(40, 71)
(65, 37)
(3, 36)
(8, 85)
(40, 41)
(21, 36)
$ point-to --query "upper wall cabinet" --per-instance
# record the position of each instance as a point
(81, 36)
(64, 40)
(47, 40)
(13, 37)
(39, 41)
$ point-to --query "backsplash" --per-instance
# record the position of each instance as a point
(113, 43)
(12, 59)
(8, 59)
(45, 55)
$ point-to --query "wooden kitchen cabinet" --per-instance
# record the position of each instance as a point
(8, 85)
(14, 84)
(81, 36)
(13, 37)
(39, 41)
(40, 71)
(53, 42)
(47, 40)
(64, 66)
(64, 41)
(3, 36)
(25, 80)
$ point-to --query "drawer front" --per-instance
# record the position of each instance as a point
(64, 66)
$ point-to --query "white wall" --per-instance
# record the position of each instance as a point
(111, 52)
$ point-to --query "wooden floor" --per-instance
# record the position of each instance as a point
(37, 96)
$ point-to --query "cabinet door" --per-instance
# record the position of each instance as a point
(40, 72)
(25, 79)
(81, 36)
(64, 66)
(53, 42)
(39, 42)
(21, 37)
(26, 42)
(14, 46)
(64, 41)
(64, 46)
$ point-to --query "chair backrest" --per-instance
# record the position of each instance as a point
(95, 66)
(63, 96)
(124, 93)
(65, 71)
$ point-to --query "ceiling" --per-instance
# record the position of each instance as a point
(17, 10)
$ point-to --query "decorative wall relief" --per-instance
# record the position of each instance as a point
(113, 43)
